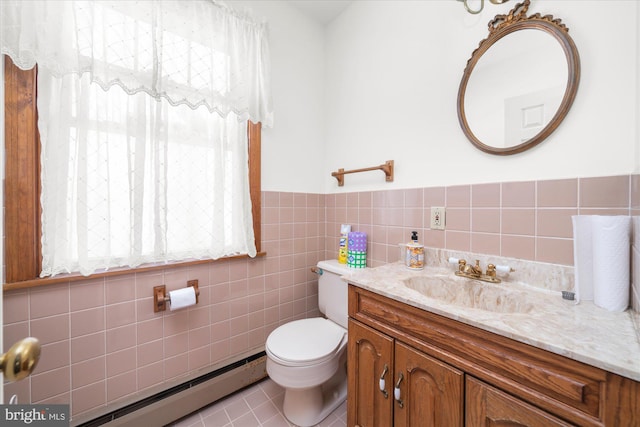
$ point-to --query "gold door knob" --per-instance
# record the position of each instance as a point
(21, 359)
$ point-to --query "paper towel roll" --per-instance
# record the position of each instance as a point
(583, 257)
(182, 298)
(611, 254)
(601, 246)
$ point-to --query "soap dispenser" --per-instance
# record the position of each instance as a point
(414, 255)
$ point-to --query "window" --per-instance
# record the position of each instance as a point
(113, 81)
(22, 182)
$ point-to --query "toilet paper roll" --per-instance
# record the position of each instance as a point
(182, 298)
(611, 257)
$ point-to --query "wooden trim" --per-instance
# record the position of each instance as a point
(22, 175)
(254, 131)
(76, 277)
(22, 226)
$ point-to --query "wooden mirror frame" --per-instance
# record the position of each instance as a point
(501, 26)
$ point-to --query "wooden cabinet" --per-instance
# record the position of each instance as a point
(455, 374)
(487, 406)
(370, 363)
(393, 384)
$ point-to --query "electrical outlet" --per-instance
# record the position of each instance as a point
(438, 215)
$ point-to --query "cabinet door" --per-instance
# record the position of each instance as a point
(487, 406)
(430, 392)
(370, 362)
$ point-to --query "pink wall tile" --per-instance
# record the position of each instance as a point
(395, 199)
(485, 195)
(605, 192)
(458, 196)
(176, 322)
(414, 198)
(87, 321)
(16, 307)
(149, 330)
(49, 384)
(199, 358)
(120, 289)
(555, 251)
(521, 247)
(434, 238)
(51, 329)
(121, 361)
(120, 314)
(200, 337)
(51, 300)
(120, 338)
(150, 352)
(486, 220)
(176, 344)
(14, 332)
(458, 219)
(87, 294)
(53, 356)
(87, 347)
(635, 192)
(485, 243)
(434, 196)
(120, 386)
(556, 222)
(518, 221)
(286, 199)
(270, 199)
(88, 372)
(88, 397)
(518, 194)
(150, 375)
(558, 193)
(458, 240)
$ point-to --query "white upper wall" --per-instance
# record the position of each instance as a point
(393, 70)
(380, 83)
(293, 150)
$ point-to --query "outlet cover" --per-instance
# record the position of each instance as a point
(438, 214)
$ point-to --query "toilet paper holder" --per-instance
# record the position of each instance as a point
(161, 297)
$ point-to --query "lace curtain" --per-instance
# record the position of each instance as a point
(196, 52)
(142, 117)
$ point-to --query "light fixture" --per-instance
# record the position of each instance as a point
(475, 12)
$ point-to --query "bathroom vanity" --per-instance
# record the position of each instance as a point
(415, 362)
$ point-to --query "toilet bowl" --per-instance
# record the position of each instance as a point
(308, 357)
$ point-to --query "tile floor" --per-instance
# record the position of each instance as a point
(256, 406)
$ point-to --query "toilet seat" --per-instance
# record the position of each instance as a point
(306, 341)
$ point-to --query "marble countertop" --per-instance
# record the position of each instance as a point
(583, 331)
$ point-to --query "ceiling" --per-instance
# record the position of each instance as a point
(323, 11)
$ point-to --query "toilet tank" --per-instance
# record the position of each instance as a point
(332, 291)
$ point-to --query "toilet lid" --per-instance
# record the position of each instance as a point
(305, 340)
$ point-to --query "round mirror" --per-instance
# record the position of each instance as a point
(519, 83)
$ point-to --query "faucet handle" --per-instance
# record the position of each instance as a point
(491, 270)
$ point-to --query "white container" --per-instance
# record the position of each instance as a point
(414, 253)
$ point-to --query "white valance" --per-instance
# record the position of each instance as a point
(196, 52)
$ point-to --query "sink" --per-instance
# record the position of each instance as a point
(469, 293)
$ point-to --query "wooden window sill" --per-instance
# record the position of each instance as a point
(76, 277)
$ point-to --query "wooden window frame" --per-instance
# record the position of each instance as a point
(22, 228)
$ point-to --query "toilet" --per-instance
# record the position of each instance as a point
(308, 357)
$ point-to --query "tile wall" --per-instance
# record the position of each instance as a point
(103, 345)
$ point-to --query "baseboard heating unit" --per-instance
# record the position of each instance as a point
(178, 401)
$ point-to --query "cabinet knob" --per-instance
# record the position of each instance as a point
(382, 384)
(396, 391)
